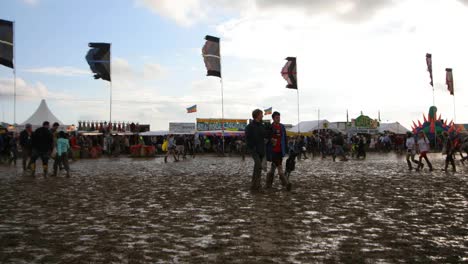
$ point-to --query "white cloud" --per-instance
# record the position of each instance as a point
(378, 64)
(30, 2)
(153, 71)
(23, 89)
(59, 71)
(185, 13)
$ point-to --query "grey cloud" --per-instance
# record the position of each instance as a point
(349, 10)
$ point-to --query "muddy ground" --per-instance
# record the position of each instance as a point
(200, 210)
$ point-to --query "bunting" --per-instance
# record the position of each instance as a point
(268, 111)
(289, 73)
(99, 60)
(211, 56)
(6, 43)
(449, 80)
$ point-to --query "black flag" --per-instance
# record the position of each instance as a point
(449, 80)
(289, 73)
(98, 58)
(6, 43)
(429, 67)
(211, 56)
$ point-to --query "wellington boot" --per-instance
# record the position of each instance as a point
(33, 170)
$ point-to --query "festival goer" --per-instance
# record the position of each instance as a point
(300, 145)
(255, 136)
(63, 146)
(276, 150)
(13, 148)
(171, 149)
(423, 146)
(26, 145)
(179, 143)
(449, 150)
(361, 147)
(42, 146)
(338, 142)
(410, 151)
(464, 147)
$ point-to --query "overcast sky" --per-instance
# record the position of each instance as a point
(360, 55)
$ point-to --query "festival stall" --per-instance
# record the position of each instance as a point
(88, 145)
(219, 133)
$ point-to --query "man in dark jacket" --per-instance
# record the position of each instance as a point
(42, 145)
(255, 136)
(26, 145)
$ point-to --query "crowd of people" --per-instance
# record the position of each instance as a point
(264, 141)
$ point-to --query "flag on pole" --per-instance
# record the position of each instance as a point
(99, 60)
(347, 117)
(211, 56)
(192, 109)
(268, 111)
(289, 73)
(6, 43)
(449, 80)
(429, 67)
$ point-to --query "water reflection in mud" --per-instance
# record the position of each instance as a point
(142, 210)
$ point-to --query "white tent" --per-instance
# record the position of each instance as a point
(308, 126)
(42, 114)
(155, 133)
(395, 127)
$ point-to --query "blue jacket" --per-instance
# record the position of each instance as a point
(284, 142)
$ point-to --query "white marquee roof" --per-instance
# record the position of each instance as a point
(42, 114)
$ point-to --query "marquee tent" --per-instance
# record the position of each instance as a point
(42, 114)
(395, 127)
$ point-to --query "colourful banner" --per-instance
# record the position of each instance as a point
(210, 124)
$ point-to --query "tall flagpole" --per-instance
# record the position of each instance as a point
(297, 90)
(14, 77)
(454, 110)
(222, 109)
(110, 75)
(318, 119)
(222, 98)
(298, 119)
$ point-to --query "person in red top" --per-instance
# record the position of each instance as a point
(276, 150)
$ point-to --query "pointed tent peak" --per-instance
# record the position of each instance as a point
(419, 123)
(440, 117)
(425, 119)
(451, 123)
(414, 124)
(42, 114)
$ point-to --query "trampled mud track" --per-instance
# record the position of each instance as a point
(201, 210)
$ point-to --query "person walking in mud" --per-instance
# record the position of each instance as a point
(423, 147)
(411, 151)
(42, 146)
(276, 150)
(61, 159)
(26, 145)
(171, 149)
(255, 137)
(361, 147)
(449, 150)
(338, 143)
